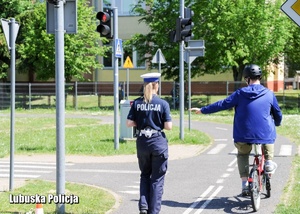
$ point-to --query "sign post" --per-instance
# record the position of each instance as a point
(128, 64)
(196, 48)
(159, 58)
(11, 29)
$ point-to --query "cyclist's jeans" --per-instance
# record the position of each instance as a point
(244, 150)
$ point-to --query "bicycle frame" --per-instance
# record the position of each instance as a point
(258, 180)
(258, 163)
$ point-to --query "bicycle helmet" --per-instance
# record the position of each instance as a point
(252, 71)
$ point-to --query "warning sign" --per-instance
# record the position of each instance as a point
(128, 63)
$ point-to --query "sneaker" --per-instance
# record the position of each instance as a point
(143, 212)
(245, 191)
(270, 167)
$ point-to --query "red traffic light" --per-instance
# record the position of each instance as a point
(105, 27)
(103, 17)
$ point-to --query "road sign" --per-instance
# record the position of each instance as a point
(292, 9)
(70, 17)
(128, 63)
(119, 50)
(6, 25)
(158, 57)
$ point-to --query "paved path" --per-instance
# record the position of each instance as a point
(199, 180)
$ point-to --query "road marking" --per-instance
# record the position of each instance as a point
(220, 181)
(198, 200)
(209, 199)
(26, 171)
(34, 163)
(218, 140)
(225, 175)
(216, 149)
(230, 169)
(134, 187)
(220, 128)
(232, 162)
(104, 171)
(19, 176)
(27, 167)
(133, 192)
(285, 150)
(234, 152)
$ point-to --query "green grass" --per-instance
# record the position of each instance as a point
(91, 199)
(84, 136)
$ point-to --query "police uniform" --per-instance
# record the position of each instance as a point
(152, 146)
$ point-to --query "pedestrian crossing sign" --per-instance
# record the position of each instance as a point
(118, 48)
(128, 63)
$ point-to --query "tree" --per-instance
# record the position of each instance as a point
(292, 51)
(235, 33)
(9, 9)
(242, 32)
(37, 48)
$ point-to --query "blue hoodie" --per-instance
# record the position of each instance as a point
(256, 114)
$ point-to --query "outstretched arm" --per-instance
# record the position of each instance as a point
(196, 110)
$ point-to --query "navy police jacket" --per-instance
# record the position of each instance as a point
(153, 114)
(256, 114)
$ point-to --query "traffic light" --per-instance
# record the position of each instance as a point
(104, 28)
(188, 14)
(55, 2)
(184, 26)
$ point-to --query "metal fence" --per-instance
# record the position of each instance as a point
(42, 95)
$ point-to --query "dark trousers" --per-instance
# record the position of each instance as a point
(153, 161)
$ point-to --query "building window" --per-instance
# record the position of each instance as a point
(124, 6)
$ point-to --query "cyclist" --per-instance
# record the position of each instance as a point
(256, 114)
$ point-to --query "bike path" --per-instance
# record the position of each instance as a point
(202, 183)
(197, 183)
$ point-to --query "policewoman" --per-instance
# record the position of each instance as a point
(151, 115)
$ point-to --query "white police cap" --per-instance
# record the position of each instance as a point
(151, 77)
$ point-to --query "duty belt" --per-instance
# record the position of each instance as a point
(148, 132)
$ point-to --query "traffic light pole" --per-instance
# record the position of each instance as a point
(116, 81)
(181, 78)
(60, 102)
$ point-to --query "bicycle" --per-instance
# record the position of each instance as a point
(258, 180)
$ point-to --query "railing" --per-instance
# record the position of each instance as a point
(34, 95)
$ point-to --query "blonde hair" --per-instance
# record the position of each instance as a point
(150, 88)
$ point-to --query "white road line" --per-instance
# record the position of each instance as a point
(134, 187)
(234, 152)
(33, 167)
(232, 162)
(104, 171)
(19, 176)
(220, 181)
(209, 199)
(133, 192)
(230, 170)
(220, 128)
(285, 150)
(34, 163)
(222, 139)
(28, 171)
(216, 149)
(225, 175)
(198, 200)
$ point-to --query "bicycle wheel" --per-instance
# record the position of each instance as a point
(254, 189)
(268, 186)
